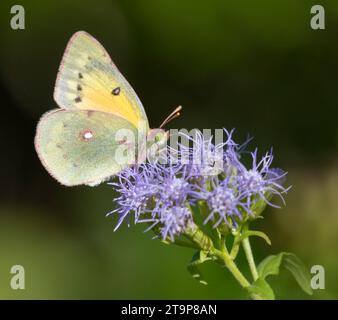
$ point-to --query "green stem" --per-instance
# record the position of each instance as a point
(235, 245)
(230, 264)
(250, 258)
(232, 267)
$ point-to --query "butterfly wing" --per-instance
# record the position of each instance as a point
(89, 80)
(84, 147)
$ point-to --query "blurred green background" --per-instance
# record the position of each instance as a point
(253, 65)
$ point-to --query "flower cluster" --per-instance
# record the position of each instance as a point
(164, 195)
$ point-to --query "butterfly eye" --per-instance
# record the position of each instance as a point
(158, 137)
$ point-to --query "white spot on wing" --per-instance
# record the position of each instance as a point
(88, 135)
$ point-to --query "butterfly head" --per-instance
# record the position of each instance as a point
(157, 137)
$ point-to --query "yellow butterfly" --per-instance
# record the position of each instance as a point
(77, 143)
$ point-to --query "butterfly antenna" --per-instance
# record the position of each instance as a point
(176, 113)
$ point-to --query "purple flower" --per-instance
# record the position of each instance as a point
(225, 203)
(204, 159)
(175, 220)
(174, 185)
(161, 194)
(175, 194)
(154, 193)
(261, 180)
(136, 186)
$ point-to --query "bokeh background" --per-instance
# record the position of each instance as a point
(253, 65)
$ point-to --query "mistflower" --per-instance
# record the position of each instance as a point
(261, 181)
(207, 159)
(135, 186)
(205, 198)
(174, 221)
(174, 185)
(162, 194)
(150, 192)
(202, 157)
(174, 191)
(225, 203)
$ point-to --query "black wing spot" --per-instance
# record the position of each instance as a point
(79, 87)
(89, 58)
(80, 75)
(116, 91)
(78, 99)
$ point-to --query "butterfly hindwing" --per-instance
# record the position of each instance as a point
(89, 80)
(80, 147)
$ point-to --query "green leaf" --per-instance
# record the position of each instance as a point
(271, 266)
(181, 241)
(261, 290)
(249, 233)
(194, 266)
(292, 263)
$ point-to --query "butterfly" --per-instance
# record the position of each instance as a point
(99, 117)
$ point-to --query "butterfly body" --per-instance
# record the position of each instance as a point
(101, 126)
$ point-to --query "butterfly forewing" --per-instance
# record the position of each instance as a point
(88, 80)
